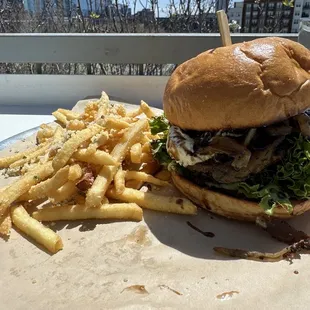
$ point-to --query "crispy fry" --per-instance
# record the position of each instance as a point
(146, 158)
(120, 110)
(36, 230)
(103, 106)
(75, 125)
(150, 168)
(135, 184)
(97, 158)
(72, 144)
(164, 175)
(135, 113)
(117, 211)
(5, 224)
(69, 114)
(42, 189)
(136, 153)
(45, 132)
(146, 109)
(75, 172)
(114, 123)
(142, 176)
(100, 139)
(119, 180)
(146, 147)
(60, 118)
(23, 184)
(103, 180)
(151, 201)
(63, 193)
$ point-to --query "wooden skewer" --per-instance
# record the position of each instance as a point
(224, 27)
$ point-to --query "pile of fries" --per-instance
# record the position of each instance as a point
(86, 166)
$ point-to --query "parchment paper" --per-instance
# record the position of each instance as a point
(160, 263)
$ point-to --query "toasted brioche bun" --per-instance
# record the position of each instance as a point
(231, 207)
(249, 84)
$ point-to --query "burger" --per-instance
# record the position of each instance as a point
(236, 129)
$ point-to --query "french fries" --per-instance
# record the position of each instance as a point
(21, 186)
(119, 180)
(97, 191)
(5, 224)
(70, 115)
(97, 158)
(7, 161)
(31, 227)
(91, 166)
(75, 172)
(64, 192)
(114, 211)
(61, 118)
(144, 177)
(72, 144)
(155, 202)
(136, 153)
(42, 189)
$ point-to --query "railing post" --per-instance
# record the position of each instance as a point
(304, 35)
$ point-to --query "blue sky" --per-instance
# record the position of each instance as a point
(140, 3)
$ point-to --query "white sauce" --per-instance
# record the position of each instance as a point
(184, 145)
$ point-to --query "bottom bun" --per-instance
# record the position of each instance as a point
(229, 206)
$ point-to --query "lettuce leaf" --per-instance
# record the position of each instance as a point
(159, 125)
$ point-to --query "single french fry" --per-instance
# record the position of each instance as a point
(150, 168)
(135, 184)
(45, 132)
(75, 172)
(67, 191)
(115, 211)
(155, 202)
(23, 184)
(69, 114)
(61, 118)
(115, 123)
(142, 176)
(120, 110)
(164, 175)
(100, 139)
(103, 106)
(119, 180)
(71, 145)
(5, 224)
(146, 158)
(136, 153)
(75, 124)
(104, 178)
(31, 227)
(98, 158)
(145, 108)
(42, 189)
(135, 113)
(146, 148)
(145, 139)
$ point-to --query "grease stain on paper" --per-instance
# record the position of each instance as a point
(227, 295)
(138, 289)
